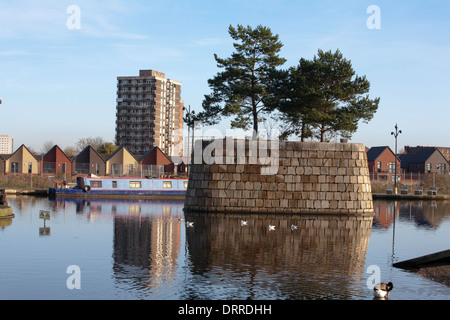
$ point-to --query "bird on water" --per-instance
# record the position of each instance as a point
(382, 290)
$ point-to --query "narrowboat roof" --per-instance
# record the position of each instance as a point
(135, 178)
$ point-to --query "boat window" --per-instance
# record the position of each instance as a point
(167, 184)
(185, 184)
(96, 184)
(114, 184)
(135, 184)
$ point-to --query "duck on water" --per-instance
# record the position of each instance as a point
(382, 290)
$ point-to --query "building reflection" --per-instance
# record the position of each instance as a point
(146, 243)
(323, 258)
(326, 247)
(424, 214)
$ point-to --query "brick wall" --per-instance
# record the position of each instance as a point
(312, 177)
(385, 158)
(56, 158)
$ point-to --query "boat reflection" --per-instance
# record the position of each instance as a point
(6, 215)
(5, 223)
(145, 250)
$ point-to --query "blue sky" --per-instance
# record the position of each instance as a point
(59, 84)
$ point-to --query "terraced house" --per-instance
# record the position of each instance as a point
(21, 161)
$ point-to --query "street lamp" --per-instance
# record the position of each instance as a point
(395, 134)
(188, 120)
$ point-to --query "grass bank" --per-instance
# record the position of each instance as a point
(26, 181)
(441, 182)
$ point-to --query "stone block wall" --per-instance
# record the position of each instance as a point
(310, 177)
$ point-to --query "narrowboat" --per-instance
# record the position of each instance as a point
(127, 187)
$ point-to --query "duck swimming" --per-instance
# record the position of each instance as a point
(382, 290)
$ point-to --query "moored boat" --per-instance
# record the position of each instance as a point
(127, 187)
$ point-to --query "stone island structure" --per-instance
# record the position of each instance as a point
(149, 113)
(311, 178)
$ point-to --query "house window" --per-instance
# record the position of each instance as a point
(14, 167)
(391, 167)
(378, 166)
(135, 184)
(428, 167)
(49, 167)
(115, 169)
(30, 167)
(167, 184)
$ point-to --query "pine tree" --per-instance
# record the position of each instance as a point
(323, 94)
(241, 88)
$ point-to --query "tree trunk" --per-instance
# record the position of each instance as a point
(255, 124)
(302, 136)
(322, 133)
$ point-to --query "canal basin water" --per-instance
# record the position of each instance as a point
(145, 250)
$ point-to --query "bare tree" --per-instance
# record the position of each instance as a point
(47, 146)
(95, 143)
(70, 151)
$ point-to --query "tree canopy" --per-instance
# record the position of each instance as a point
(314, 99)
(97, 143)
(241, 88)
(322, 95)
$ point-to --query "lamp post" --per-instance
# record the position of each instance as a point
(188, 120)
(395, 134)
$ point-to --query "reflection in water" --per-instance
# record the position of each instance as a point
(317, 260)
(143, 250)
(6, 213)
(228, 260)
(146, 238)
(146, 242)
(5, 223)
(424, 214)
